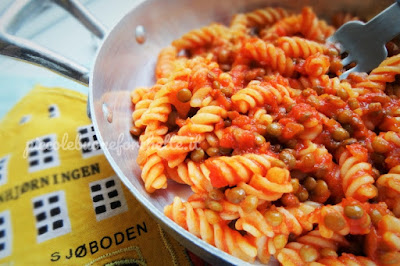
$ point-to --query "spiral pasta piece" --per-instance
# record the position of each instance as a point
(140, 108)
(201, 79)
(200, 37)
(307, 24)
(312, 28)
(141, 93)
(306, 82)
(285, 27)
(332, 219)
(254, 223)
(269, 187)
(268, 246)
(347, 259)
(266, 235)
(211, 140)
(266, 242)
(260, 116)
(270, 55)
(390, 227)
(307, 248)
(153, 174)
(356, 173)
(389, 143)
(325, 85)
(204, 91)
(213, 231)
(252, 172)
(312, 129)
(390, 123)
(178, 148)
(241, 23)
(142, 97)
(201, 97)
(157, 113)
(316, 160)
(383, 74)
(265, 17)
(190, 135)
(290, 221)
(151, 164)
(389, 189)
(160, 107)
(316, 240)
(240, 168)
(316, 65)
(300, 47)
(196, 175)
(382, 243)
(307, 118)
(258, 94)
(238, 25)
(165, 62)
(204, 120)
(302, 214)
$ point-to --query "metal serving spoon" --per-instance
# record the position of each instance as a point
(365, 42)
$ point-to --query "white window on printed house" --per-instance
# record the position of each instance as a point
(54, 111)
(42, 153)
(108, 198)
(25, 119)
(3, 169)
(51, 214)
(5, 234)
(90, 146)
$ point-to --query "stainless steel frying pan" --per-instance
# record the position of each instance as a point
(126, 59)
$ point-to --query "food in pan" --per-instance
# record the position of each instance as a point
(284, 159)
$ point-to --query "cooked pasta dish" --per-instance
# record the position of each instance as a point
(284, 159)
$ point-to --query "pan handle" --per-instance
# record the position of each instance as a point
(26, 50)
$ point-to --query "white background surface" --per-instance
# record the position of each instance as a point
(57, 30)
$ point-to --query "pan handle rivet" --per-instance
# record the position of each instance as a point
(107, 113)
(140, 34)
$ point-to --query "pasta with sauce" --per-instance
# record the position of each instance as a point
(284, 159)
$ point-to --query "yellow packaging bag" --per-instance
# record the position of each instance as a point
(61, 203)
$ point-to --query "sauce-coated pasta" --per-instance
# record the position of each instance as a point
(284, 159)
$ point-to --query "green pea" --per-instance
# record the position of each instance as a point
(135, 131)
(353, 211)
(342, 93)
(274, 129)
(304, 117)
(225, 151)
(353, 103)
(184, 95)
(260, 140)
(212, 151)
(216, 85)
(197, 155)
(226, 91)
(172, 119)
(340, 134)
(227, 123)
(380, 145)
(344, 117)
(310, 183)
(288, 159)
(334, 221)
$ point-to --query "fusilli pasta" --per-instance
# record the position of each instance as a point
(284, 159)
